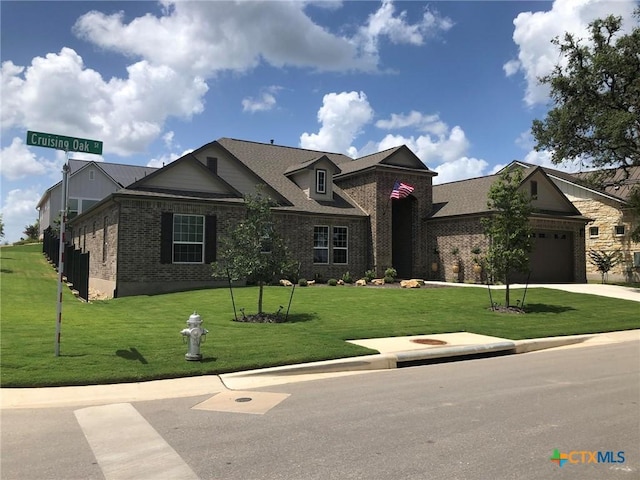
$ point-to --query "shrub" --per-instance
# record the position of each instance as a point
(332, 282)
(303, 282)
(390, 272)
(346, 278)
(389, 279)
(370, 275)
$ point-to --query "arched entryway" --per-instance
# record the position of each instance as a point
(402, 236)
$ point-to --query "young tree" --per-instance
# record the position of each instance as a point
(605, 261)
(254, 250)
(32, 231)
(597, 98)
(508, 229)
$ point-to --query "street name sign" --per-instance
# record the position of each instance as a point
(68, 144)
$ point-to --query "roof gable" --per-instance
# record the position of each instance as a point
(321, 161)
(401, 157)
(469, 197)
(186, 175)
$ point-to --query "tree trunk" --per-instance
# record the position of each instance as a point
(261, 286)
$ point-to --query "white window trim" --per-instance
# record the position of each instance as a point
(334, 248)
(591, 235)
(174, 243)
(615, 230)
(327, 248)
(321, 173)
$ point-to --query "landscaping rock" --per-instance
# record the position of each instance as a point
(361, 283)
(377, 281)
(413, 283)
(286, 283)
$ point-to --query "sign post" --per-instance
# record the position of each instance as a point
(68, 144)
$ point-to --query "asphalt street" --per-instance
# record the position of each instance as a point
(499, 418)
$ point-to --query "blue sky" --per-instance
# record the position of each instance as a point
(454, 81)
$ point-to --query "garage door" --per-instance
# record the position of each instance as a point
(551, 258)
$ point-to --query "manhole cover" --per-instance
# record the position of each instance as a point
(243, 399)
(428, 341)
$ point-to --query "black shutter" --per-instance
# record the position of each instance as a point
(166, 237)
(210, 239)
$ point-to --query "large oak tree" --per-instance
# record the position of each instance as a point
(596, 96)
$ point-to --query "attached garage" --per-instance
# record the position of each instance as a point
(551, 259)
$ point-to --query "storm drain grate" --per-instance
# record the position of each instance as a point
(243, 399)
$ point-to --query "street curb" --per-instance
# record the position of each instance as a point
(416, 355)
(534, 344)
(381, 361)
(386, 361)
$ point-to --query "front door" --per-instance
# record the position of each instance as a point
(402, 236)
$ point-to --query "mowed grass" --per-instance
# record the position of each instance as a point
(138, 338)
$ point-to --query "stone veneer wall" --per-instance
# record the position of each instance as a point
(606, 215)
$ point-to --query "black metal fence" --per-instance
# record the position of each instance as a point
(76, 263)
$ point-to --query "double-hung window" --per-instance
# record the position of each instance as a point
(188, 238)
(340, 245)
(321, 181)
(334, 247)
(320, 244)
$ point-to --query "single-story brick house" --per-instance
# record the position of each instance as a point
(160, 233)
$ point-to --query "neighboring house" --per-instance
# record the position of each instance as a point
(88, 183)
(160, 233)
(558, 253)
(612, 220)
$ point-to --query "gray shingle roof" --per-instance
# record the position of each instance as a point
(469, 197)
(464, 197)
(270, 162)
(614, 182)
(123, 175)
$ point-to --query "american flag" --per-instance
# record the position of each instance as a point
(401, 190)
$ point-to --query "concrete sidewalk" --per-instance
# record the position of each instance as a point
(611, 291)
(392, 351)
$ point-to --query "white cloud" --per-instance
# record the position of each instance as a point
(175, 52)
(58, 94)
(166, 159)
(511, 67)
(167, 138)
(267, 100)
(450, 146)
(419, 121)
(207, 37)
(17, 162)
(533, 33)
(342, 117)
(385, 23)
(460, 169)
(18, 211)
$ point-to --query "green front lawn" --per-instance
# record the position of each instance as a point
(138, 338)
